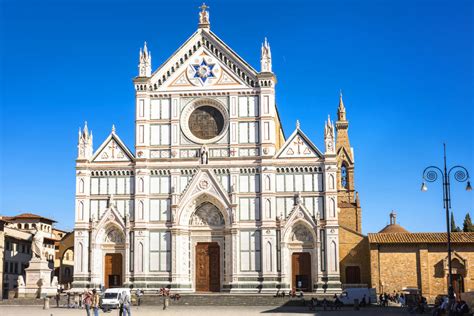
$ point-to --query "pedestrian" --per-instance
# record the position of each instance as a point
(95, 302)
(68, 300)
(58, 297)
(87, 302)
(126, 304)
(138, 294)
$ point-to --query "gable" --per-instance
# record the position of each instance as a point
(112, 149)
(205, 182)
(203, 70)
(299, 146)
(203, 61)
(343, 155)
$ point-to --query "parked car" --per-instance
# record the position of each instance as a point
(348, 296)
(111, 298)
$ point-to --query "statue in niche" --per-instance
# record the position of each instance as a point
(301, 233)
(204, 154)
(207, 214)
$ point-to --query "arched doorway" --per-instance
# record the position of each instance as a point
(206, 222)
(301, 246)
(113, 258)
(301, 271)
(113, 270)
(207, 267)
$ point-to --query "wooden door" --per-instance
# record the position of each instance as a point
(352, 275)
(458, 284)
(207, 267)
(113, 270)
(301, 271)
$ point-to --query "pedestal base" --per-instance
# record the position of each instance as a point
(38, 280)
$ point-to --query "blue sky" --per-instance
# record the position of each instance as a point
(405, 67)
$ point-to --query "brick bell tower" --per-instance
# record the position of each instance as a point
(350, 214)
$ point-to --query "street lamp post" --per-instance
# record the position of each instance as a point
(430, 174)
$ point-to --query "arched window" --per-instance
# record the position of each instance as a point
(344, 177)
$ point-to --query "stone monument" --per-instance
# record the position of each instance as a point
(38, 274)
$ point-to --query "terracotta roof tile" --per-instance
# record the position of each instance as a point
(393, 228)
(418, 238)
(30, 215)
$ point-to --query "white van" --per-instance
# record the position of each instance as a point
(111, 298)
(350, 294)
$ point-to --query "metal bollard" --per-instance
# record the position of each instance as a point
(46, 303)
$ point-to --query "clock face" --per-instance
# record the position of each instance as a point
(206, 122)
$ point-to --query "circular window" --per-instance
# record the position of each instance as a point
(206, 122)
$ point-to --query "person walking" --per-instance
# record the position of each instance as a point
(126, 302)
(58, 297)
(95, 302)
(87, 302)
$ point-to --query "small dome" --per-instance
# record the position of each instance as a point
(393, 228)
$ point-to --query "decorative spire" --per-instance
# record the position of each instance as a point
(144, 62)
(341, 110)
(204, 17)
(297, 124)
(329, 136)
(266, 57)
(84, 146)
(113, 128)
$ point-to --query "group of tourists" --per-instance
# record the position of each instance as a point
(454, 308)
(91, 300)
(395, 297)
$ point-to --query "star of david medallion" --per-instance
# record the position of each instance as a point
(203, 71)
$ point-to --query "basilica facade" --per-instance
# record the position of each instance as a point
(213, 197)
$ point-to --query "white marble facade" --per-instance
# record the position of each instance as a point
(211, 164)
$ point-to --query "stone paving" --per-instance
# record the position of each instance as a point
(7, 310)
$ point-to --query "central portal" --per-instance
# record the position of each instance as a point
(207, 267)
(301, 271)
(113, 270)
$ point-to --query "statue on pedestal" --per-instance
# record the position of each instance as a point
(37, 244)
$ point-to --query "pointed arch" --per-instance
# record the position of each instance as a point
(267, 183)
(141, 185)
(332, 207)
(184, 214)
(269, 257)
(268, 208)
(81, 185)
(333, 252)
(140, 257)
(80, 256)
(331, 182)
(81, 210)
(344, 176)
(289, 232)
(141, 208)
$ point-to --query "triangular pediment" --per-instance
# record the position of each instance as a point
(111, 220)
(204, 182)
(343, 155)
(298, 145)
(299, 212)
(113, 149)
(203, 61)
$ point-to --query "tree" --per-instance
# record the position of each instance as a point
(467, 225)
(454, 228)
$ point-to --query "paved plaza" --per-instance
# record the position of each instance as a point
(201, 310)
